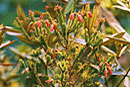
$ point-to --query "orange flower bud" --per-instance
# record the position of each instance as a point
(110, 71)
(105, 72)
(31, 37)
(52, 28)
(48, 81)
(98, 59)
(46, 7)
(41, 16)
(71, 16)
(90, 14)
(101, 63)
(107, 65)
(39, 24)
(47, 23)
(31, 12)
(31, 31)
(17, 18)
(33, 26)
(65, 17)
(80, 18)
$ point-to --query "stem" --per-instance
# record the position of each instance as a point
(37, 77)
(123, 78)
(78, 57)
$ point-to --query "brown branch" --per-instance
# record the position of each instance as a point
(7, 64)
(123, 78)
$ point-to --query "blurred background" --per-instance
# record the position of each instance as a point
(8, 13)
(8, 9)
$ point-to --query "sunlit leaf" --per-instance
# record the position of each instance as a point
(107, 41)
(121, 3)
(6, 44)
(108, 50)
(118, 39)
(11, 29)
(123, 8)
(123, 50)
(13, 33)
(111, 20)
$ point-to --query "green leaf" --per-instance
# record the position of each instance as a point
(21, 14)
(69, 7)
(10, 77)
(23, 38)
(94, 18)
(21, 55)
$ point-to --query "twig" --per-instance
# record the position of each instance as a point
(123, 78)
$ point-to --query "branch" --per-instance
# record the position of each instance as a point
(123, 78)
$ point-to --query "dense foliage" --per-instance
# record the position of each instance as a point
(66, 46)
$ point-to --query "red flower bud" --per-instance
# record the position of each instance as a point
(46, 7)
(47, 23)
(33, 26)
(80, 18)
(101, 63)
(52, 28)
(105, 72)
(71, 16)
(31, 31)
(47, 52)
(41, 16)
(48, 81)
(39, 24)
(107, 65)
(98, 59)
(65, 17)
(17, 18)
(30, 12)
(90, 14)
(110, 71)
(31, 37)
